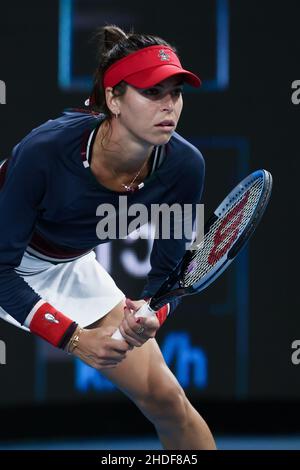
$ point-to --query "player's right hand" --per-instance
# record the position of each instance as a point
(97, 349)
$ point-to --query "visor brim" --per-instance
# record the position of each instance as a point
(152, 76)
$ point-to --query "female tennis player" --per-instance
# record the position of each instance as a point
(50, 282)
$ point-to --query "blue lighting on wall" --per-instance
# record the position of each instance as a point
(65, 44)
(67, 81)
(221, 80)
(190, 361)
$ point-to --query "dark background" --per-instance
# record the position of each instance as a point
(243, 326)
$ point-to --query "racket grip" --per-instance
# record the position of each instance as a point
(144, 311)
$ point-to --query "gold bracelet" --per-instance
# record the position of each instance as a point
(73, 343)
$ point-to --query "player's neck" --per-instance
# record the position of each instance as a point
(118, 150)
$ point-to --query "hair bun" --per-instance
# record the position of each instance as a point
(111, 35)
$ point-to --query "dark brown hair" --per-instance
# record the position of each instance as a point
(113, 45)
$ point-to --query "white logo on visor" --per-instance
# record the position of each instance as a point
(51, 318)
(163, 55)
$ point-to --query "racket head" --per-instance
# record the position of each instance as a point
(225, 233)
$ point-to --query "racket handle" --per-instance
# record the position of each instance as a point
(144, 311)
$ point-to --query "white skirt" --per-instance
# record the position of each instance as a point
(80, 289)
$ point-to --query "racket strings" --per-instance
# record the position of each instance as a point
(222, 234)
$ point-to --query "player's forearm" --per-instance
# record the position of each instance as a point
(17, 298)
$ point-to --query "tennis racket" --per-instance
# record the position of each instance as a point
(225, 234)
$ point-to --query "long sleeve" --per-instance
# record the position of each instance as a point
(20, 200)
(167, 253)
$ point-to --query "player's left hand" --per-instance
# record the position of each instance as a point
(137, 330)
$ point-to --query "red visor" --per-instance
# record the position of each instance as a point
(147, 67)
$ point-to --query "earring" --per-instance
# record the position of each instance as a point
(116, 115)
